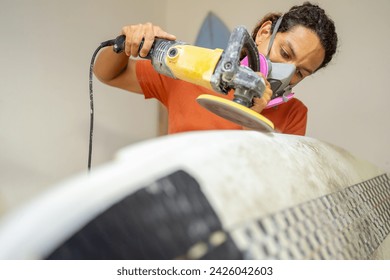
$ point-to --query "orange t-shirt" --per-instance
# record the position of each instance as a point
(185, 114)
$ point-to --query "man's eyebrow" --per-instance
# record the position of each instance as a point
(293, 55)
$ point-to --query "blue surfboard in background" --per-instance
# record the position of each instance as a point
(213, 33)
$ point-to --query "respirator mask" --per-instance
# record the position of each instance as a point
(278, 75)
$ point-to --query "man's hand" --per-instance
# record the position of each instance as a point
(138, 32)
(260, 103)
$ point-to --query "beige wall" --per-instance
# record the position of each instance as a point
(46, 48)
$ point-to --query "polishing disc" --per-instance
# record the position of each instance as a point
(235, 112)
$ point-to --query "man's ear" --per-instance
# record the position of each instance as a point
(264, 32)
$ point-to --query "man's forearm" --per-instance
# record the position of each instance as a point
(109, 65)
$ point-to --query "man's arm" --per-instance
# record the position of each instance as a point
(119, 70)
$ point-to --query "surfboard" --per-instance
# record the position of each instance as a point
(213, 33)
(211, 195)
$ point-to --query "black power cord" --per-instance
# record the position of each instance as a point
(118, 44)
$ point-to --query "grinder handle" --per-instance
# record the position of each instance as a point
(119, 45)
(240, 42)
(250, 49)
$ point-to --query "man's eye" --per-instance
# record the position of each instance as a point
(299, 73)
(284, 54)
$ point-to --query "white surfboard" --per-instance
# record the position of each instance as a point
(211, 195)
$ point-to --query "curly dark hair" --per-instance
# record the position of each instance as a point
(310, 16)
